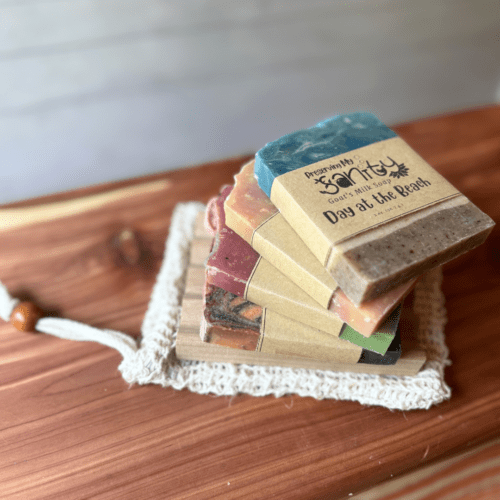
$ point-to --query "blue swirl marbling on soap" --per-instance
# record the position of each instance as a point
(328, 138)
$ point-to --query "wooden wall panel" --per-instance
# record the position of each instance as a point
(95, 91)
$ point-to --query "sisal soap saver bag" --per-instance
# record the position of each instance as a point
(152, 359)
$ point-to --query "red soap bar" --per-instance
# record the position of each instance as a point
(232, 259)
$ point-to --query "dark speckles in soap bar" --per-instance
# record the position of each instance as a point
(231, 320)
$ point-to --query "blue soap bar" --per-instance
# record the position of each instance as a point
(369, 208)
(329, 138)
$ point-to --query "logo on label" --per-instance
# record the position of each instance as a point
(341, 180)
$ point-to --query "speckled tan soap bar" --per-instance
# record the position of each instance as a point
(370, 209)
(390, 255)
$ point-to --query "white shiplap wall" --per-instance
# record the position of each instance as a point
(92, 91)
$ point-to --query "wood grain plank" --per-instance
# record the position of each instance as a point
(474, 474)
(45, 24)
(11, 218)
(71, 428)
(92, 83)
(87, 48)
(70, 71)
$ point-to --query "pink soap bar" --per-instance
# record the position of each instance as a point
(232, 259)
(247, 208)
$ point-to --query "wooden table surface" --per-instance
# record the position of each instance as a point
(71, 428)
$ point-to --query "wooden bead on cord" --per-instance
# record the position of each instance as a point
(25, 316)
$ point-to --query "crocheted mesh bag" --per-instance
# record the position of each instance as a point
(152, 359)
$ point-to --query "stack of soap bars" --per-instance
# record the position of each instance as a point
(310, 255)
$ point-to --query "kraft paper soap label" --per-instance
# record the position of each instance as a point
(279, 244)
(282, 335)
(264, 287)
(340, 197)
